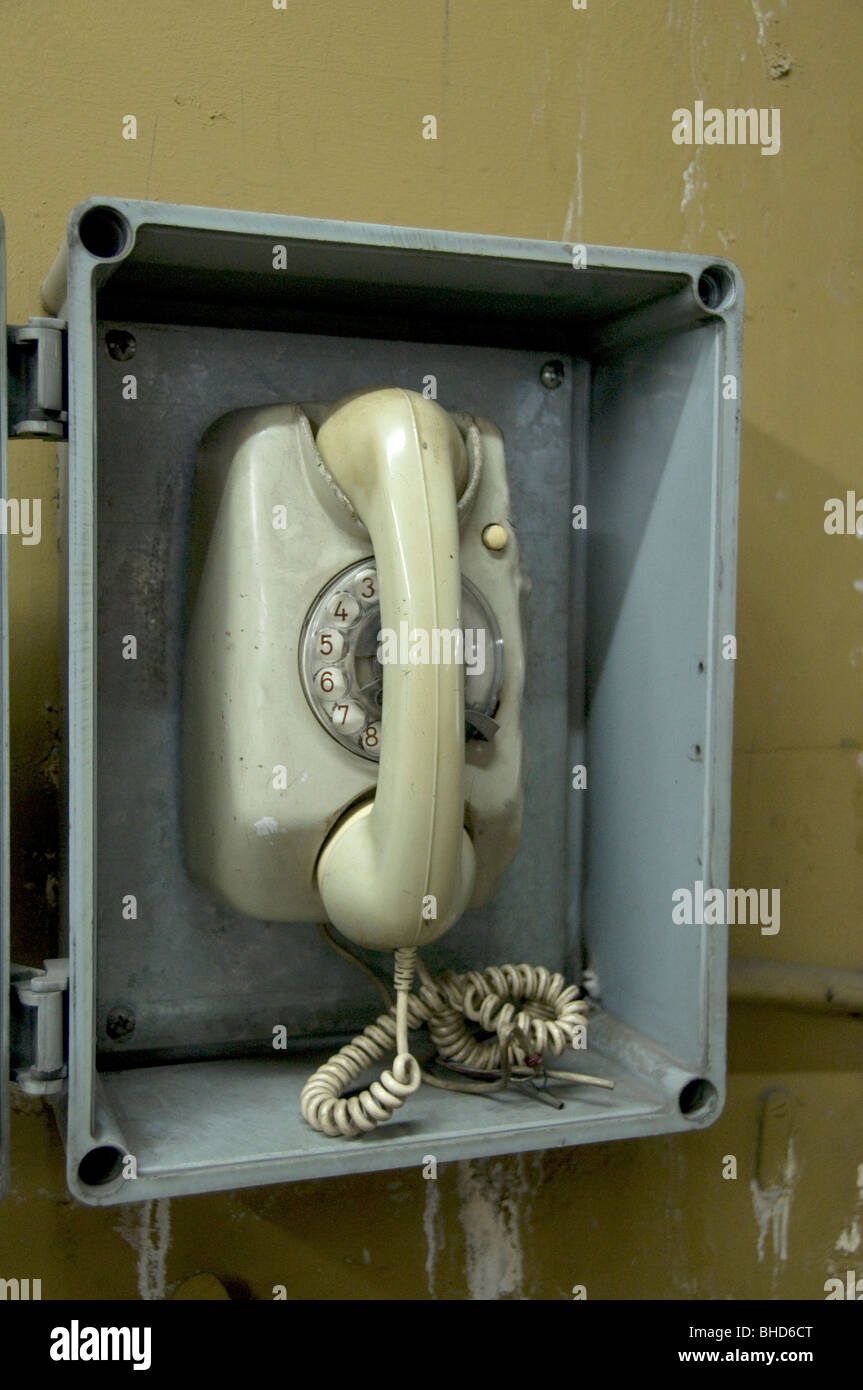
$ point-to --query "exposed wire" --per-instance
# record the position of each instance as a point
(527, 1011)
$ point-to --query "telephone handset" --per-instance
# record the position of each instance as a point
(327, 777)
(401, 463)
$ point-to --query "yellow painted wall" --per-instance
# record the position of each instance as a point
(552, 123)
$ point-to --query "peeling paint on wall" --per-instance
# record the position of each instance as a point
(761, 20)
(688, 185)
(576, 201)
(778, 61)
(492, 1214)
(434, 1234)
(147, 1228)
(850, 1239)
(772, 1206)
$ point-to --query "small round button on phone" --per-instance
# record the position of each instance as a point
(371, 738)
(331, 682)
(348, 716)
(342, 609)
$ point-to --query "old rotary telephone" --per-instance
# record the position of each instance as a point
(352, 741)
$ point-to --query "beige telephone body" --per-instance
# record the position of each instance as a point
(352, 719)
(313, 789)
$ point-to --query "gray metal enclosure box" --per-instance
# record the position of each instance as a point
(626, 674)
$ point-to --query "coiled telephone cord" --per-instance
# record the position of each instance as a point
(527, 1009)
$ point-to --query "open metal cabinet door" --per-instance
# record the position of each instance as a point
(4, 757)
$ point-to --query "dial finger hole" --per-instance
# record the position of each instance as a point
(331, 682)
(329, 644)
(366, 583)
(347, 716)
(342, 608)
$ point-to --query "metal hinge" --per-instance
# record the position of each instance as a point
(37, 380)
(38, 1027)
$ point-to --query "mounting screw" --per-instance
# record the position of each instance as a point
(551, 375)
(121, 345)
(120, 1024)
